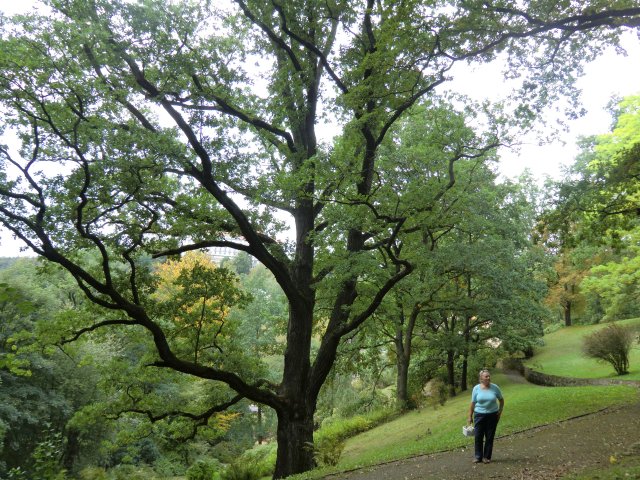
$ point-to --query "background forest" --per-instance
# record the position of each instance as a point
(372, 272)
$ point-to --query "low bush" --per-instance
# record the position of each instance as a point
(261, 458)
(329, 440)
(435, 393)
(204, 470)
(327, 451)
(611, 344)
(242, 471)
(341, 428)
(133, 472)
(93, 473)
(170, 465)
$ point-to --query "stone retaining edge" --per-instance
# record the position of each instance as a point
(544, 379)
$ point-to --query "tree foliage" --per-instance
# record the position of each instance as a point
(599, 199)
(565, 294)
(615, 283)
(42, 387)
(197, 297)
(596, 220)
(151, 129)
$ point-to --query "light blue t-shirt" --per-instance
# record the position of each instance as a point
(486, 400)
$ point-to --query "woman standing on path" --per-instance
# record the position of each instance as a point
(486, 408)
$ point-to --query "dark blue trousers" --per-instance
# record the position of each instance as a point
(485, 424)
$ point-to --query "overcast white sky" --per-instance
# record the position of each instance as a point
(610, 75)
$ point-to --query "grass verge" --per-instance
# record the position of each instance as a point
(623, 468)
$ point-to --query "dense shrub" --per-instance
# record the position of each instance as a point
(612, 345)
(327, 450)
(329, 439)
(434, 393)
(44, 461)
(93, 473)
(204, 470)
(261, 459)
(169, 465)
(242, 471)
(342, 428)
(133, 472)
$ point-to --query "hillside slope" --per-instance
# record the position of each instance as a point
(562, 354)
(549, 452)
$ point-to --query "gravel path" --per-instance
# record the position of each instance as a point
(547, 452)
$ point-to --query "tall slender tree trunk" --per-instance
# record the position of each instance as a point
(260, 426)
(72, 449)
(451, 373)
(463, 375)
(467, 340)
(402, 376)
(403, 341)
(295, 415)
(465, 367)
(566, 310)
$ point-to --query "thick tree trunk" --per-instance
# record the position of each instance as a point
(295, 418)
(295, 415)
(295, 443)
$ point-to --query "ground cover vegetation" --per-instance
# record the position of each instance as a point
(387, 254)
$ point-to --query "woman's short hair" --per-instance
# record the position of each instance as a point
(483, 370)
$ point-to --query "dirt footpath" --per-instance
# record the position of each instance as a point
(547, 452)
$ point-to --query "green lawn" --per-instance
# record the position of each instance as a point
(562, 355)
(622, 468)
(431, 430)
(526, 406)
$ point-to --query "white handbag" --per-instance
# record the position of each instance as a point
(468, 431)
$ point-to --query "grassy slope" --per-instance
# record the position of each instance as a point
(562, 355)
(431, 430)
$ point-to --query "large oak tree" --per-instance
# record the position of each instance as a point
(153, 128)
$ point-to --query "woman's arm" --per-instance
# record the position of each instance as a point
(501, 400)
(473, 405)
